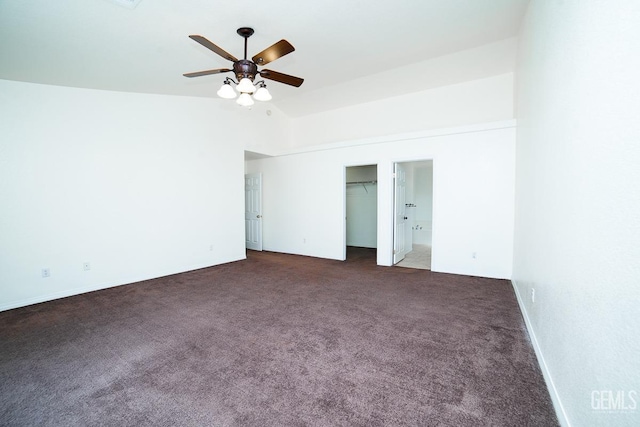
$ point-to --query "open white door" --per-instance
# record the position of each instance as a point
(400, 217)
(253, 211)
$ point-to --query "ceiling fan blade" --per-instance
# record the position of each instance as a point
(206, 43)
(207, 72)
(282, 78)
(273, 52)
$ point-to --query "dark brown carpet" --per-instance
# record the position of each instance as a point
(276, 340)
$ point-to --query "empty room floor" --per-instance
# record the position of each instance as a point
(276, 340)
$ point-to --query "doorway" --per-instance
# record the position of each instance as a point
(413, 214)
(361, 203)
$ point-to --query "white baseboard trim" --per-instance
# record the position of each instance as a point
(96, 287)
(553, 392)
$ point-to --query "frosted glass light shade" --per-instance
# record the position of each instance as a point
(245, 86)
(245, 100)
(226, 91)
(262, 94)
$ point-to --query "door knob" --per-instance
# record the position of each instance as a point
(406, 217)
(258, 216)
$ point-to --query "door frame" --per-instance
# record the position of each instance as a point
(390, 194)
(344, 203)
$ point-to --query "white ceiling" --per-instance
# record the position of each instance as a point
(347, 51)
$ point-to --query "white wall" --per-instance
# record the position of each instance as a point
(473, 197)
(488, 60)
(140, 186)
(577, 234)
(477, 101)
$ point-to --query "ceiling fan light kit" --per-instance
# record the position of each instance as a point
(262, 94)
(245, 86)
(226, 91)
(246, 70)
(245, 100)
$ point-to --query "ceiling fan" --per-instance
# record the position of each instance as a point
(246, 70)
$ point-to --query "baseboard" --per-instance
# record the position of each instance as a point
(61, 294)
(553, 392)
(97, 287)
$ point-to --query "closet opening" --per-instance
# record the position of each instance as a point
(361, 206)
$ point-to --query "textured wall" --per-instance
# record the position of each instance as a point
(577, 232)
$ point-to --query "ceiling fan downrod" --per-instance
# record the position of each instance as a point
(245, 32)
(245, 68)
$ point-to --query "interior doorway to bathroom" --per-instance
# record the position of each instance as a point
(361, 202)
(413, 214)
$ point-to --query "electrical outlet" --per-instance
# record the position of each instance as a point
(474, 255)
(46, 272)
(304, 240)
(533, 295)
(210, 248)
(86, 266)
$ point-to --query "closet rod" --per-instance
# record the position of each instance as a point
(363, 183)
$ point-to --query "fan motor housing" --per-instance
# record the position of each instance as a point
(245, 68)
